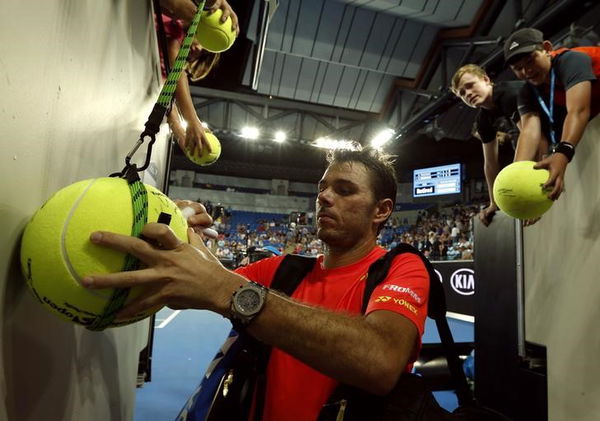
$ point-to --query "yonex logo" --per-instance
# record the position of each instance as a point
(463, 281)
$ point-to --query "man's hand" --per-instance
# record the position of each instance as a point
(175, 273)
(486, 215)
(556, 164)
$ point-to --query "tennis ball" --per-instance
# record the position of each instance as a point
(56, 252)
(519, 191)
(206, 157)
(212, 34)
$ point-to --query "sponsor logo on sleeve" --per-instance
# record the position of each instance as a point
(403, 290)
(398, 301)
(463, 281)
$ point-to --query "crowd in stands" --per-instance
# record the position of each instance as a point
(445, 234)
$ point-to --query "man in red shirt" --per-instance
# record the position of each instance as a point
(319, 336)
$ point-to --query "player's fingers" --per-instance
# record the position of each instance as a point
(120, 279)
(161, 235)
(126, 244)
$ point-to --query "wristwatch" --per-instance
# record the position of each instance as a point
(565, 148)
(246, 303)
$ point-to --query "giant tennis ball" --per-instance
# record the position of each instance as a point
(56, 252)
(519, 191)
(212, 34)
(205, 157)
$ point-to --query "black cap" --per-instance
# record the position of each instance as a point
(522, 41)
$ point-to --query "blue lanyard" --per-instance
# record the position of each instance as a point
(549, 112)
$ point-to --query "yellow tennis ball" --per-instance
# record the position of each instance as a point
(212, 34)
(56, 252)
(205, 157)
(519, 192)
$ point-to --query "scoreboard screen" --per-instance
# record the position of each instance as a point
(437, 181)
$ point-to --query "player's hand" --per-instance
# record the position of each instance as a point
(556, 164)
(175, 273)
(227, 12)
(486, 215)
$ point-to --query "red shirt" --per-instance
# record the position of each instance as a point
(297, 392)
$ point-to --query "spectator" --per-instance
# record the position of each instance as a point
(570, 78)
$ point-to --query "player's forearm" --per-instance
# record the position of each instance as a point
(342, 346)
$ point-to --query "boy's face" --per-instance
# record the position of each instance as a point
(474, 90)
(533, 68)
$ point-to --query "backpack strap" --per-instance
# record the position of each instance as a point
(436, 310)
(290, 272)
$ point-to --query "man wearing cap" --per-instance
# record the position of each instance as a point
(562, 89)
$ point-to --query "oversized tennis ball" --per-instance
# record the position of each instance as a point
(205, 157)
(56, 252)
(212, 34)
(519, 191)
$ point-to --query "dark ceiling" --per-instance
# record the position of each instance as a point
(347, 68)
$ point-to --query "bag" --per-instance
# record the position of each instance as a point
(410, 399)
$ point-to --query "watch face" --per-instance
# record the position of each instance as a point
(248, 301)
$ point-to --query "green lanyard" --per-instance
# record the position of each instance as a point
(139, 195)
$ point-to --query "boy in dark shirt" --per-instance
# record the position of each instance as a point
(497, 118)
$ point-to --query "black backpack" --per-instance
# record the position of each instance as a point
(410, 400)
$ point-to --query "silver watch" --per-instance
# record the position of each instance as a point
(247, 302)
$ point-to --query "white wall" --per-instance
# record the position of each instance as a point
(78, 80)
(562, 287)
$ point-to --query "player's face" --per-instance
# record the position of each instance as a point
(346, 207)
(533, 68)
(475, 91)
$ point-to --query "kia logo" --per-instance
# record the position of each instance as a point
(463, 281)
(437, 272)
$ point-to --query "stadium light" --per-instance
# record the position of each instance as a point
(327, 143)
(382, 138)
(250, 133)
(280, 136)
